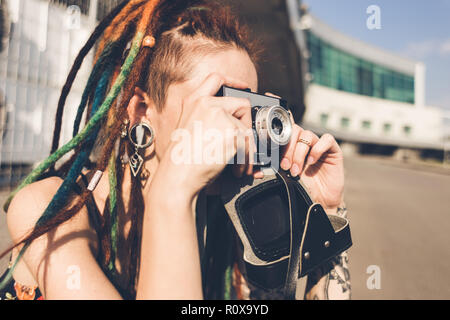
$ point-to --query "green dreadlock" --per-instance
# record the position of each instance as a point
(89, 134)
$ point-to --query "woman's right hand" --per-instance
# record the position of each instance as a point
(209, 123)
(169, 236)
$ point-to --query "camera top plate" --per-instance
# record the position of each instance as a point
(256, 99)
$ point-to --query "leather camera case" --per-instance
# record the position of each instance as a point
(284, 234)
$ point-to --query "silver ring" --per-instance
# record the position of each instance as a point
(136, 143)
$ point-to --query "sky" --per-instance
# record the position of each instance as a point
(415, 29)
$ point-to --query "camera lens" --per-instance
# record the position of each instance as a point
(277, 126)
(274, 123)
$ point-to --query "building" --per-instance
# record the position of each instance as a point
(362, 94)
(44, 38)
(46, 35)
(280, 68)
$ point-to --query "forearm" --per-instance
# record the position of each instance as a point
(170, 263)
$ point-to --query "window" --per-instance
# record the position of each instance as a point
(345, 123)
(366, 125)
(324, 119)
(407, 130)
(387, 127)
(334, 68)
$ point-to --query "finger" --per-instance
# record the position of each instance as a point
(258, 175)
(287, 160)
(238, 171)
(251, 152)
(272, 95)
(246, 147)
(239, 108)
(327, 143)
(241, 157)
(301, 151)
(214, 82)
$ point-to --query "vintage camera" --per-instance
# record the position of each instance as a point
(284, 234)
(271, 122)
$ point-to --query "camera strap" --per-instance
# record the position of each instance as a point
(312, 238)
(297, 233)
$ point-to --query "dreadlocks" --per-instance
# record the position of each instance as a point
(182, 29)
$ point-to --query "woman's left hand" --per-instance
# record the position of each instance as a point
(320, 164)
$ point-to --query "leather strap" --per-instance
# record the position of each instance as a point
(314, 236)
(310, 249)
(297, 233)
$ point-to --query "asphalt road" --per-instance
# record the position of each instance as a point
(400, 222)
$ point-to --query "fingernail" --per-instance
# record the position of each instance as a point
(285, 164)
(295, 170)
(259, 175)
(310, 160)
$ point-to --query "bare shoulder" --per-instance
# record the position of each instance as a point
(29, 204)
(48, 258)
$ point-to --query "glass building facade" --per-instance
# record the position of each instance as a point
(334, 68)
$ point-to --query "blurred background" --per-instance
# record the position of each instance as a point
(375, 74)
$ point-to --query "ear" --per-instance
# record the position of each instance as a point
(140, 107)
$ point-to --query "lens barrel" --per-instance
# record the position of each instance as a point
(274, 123)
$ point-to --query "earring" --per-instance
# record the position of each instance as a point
(124, 129)
(138, 135)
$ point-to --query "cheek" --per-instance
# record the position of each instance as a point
(167, 120)
(165, 126)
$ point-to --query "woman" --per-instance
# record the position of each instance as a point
(117, 219)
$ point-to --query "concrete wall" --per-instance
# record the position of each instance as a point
(426, 123)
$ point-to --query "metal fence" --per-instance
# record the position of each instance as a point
(84, 5)
(41, 40)
(104, 7)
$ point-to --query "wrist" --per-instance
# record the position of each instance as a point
(171, 174)
(334, 210)
(170, 195)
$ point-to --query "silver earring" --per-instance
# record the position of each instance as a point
(124, 129)
(141, 136)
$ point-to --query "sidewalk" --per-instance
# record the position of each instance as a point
(418, 165)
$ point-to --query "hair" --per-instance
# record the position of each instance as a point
(185, 31)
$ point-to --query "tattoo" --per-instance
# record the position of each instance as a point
(342, 211)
